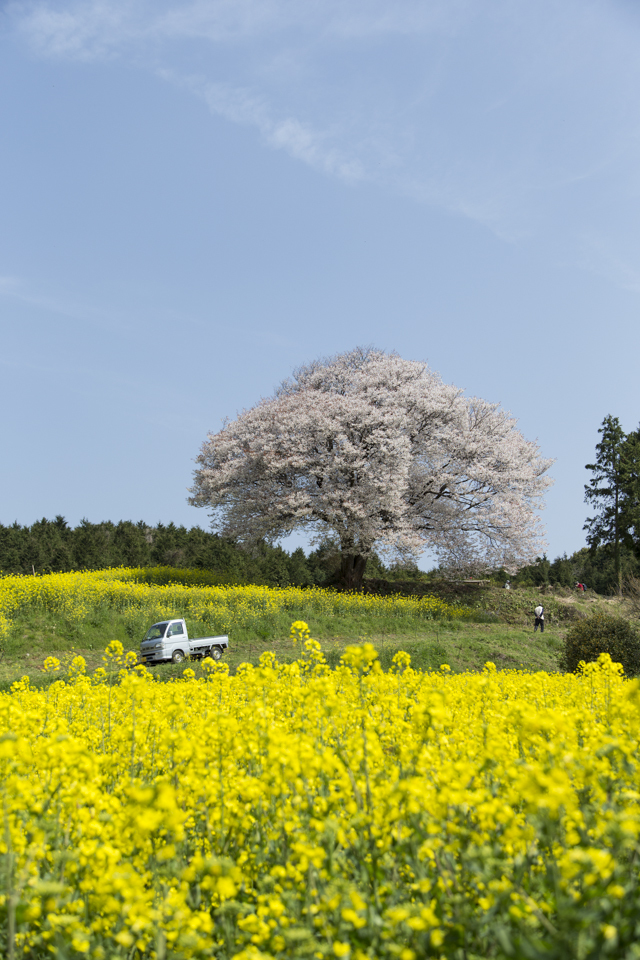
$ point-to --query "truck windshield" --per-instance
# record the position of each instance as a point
(156, 631)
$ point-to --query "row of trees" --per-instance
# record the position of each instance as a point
(596, 568)
(50, 546)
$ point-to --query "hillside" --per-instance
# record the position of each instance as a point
(475, 624)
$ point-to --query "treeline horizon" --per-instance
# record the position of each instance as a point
(596, 568)
(52, 546)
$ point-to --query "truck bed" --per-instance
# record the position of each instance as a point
(198, 642)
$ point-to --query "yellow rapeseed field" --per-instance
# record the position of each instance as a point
(144, 595)
(295, 811)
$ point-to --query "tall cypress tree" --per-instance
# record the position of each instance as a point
(632, 482)
(610, 490)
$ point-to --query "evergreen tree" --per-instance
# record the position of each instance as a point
(561, 572)
(610, 491)
(130, 544)
(534, 574)
(299, 572)
(632, 459)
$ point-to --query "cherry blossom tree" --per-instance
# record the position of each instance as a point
(378, 453)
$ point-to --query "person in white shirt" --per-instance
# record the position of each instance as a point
(539, 612)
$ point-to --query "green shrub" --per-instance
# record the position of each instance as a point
(602, 633)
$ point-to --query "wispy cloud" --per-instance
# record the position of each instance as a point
(17, 289)
(603, 255)
(104, 27)
(496, 114)
(302, 141)
(83, 32)
(55, 308)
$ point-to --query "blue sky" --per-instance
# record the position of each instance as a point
(196, 197)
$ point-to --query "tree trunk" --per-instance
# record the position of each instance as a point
(352, 566)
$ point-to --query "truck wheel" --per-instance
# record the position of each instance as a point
(177, 656)
(216, 653)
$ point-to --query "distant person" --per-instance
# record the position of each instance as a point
(507, 585)
(539, 612)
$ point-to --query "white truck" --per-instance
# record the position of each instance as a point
(169, 640)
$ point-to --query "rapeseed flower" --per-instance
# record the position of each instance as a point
(297, 811)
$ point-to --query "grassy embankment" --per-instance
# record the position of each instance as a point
(81, 614)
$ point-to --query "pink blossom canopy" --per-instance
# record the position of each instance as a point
(378, 453)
